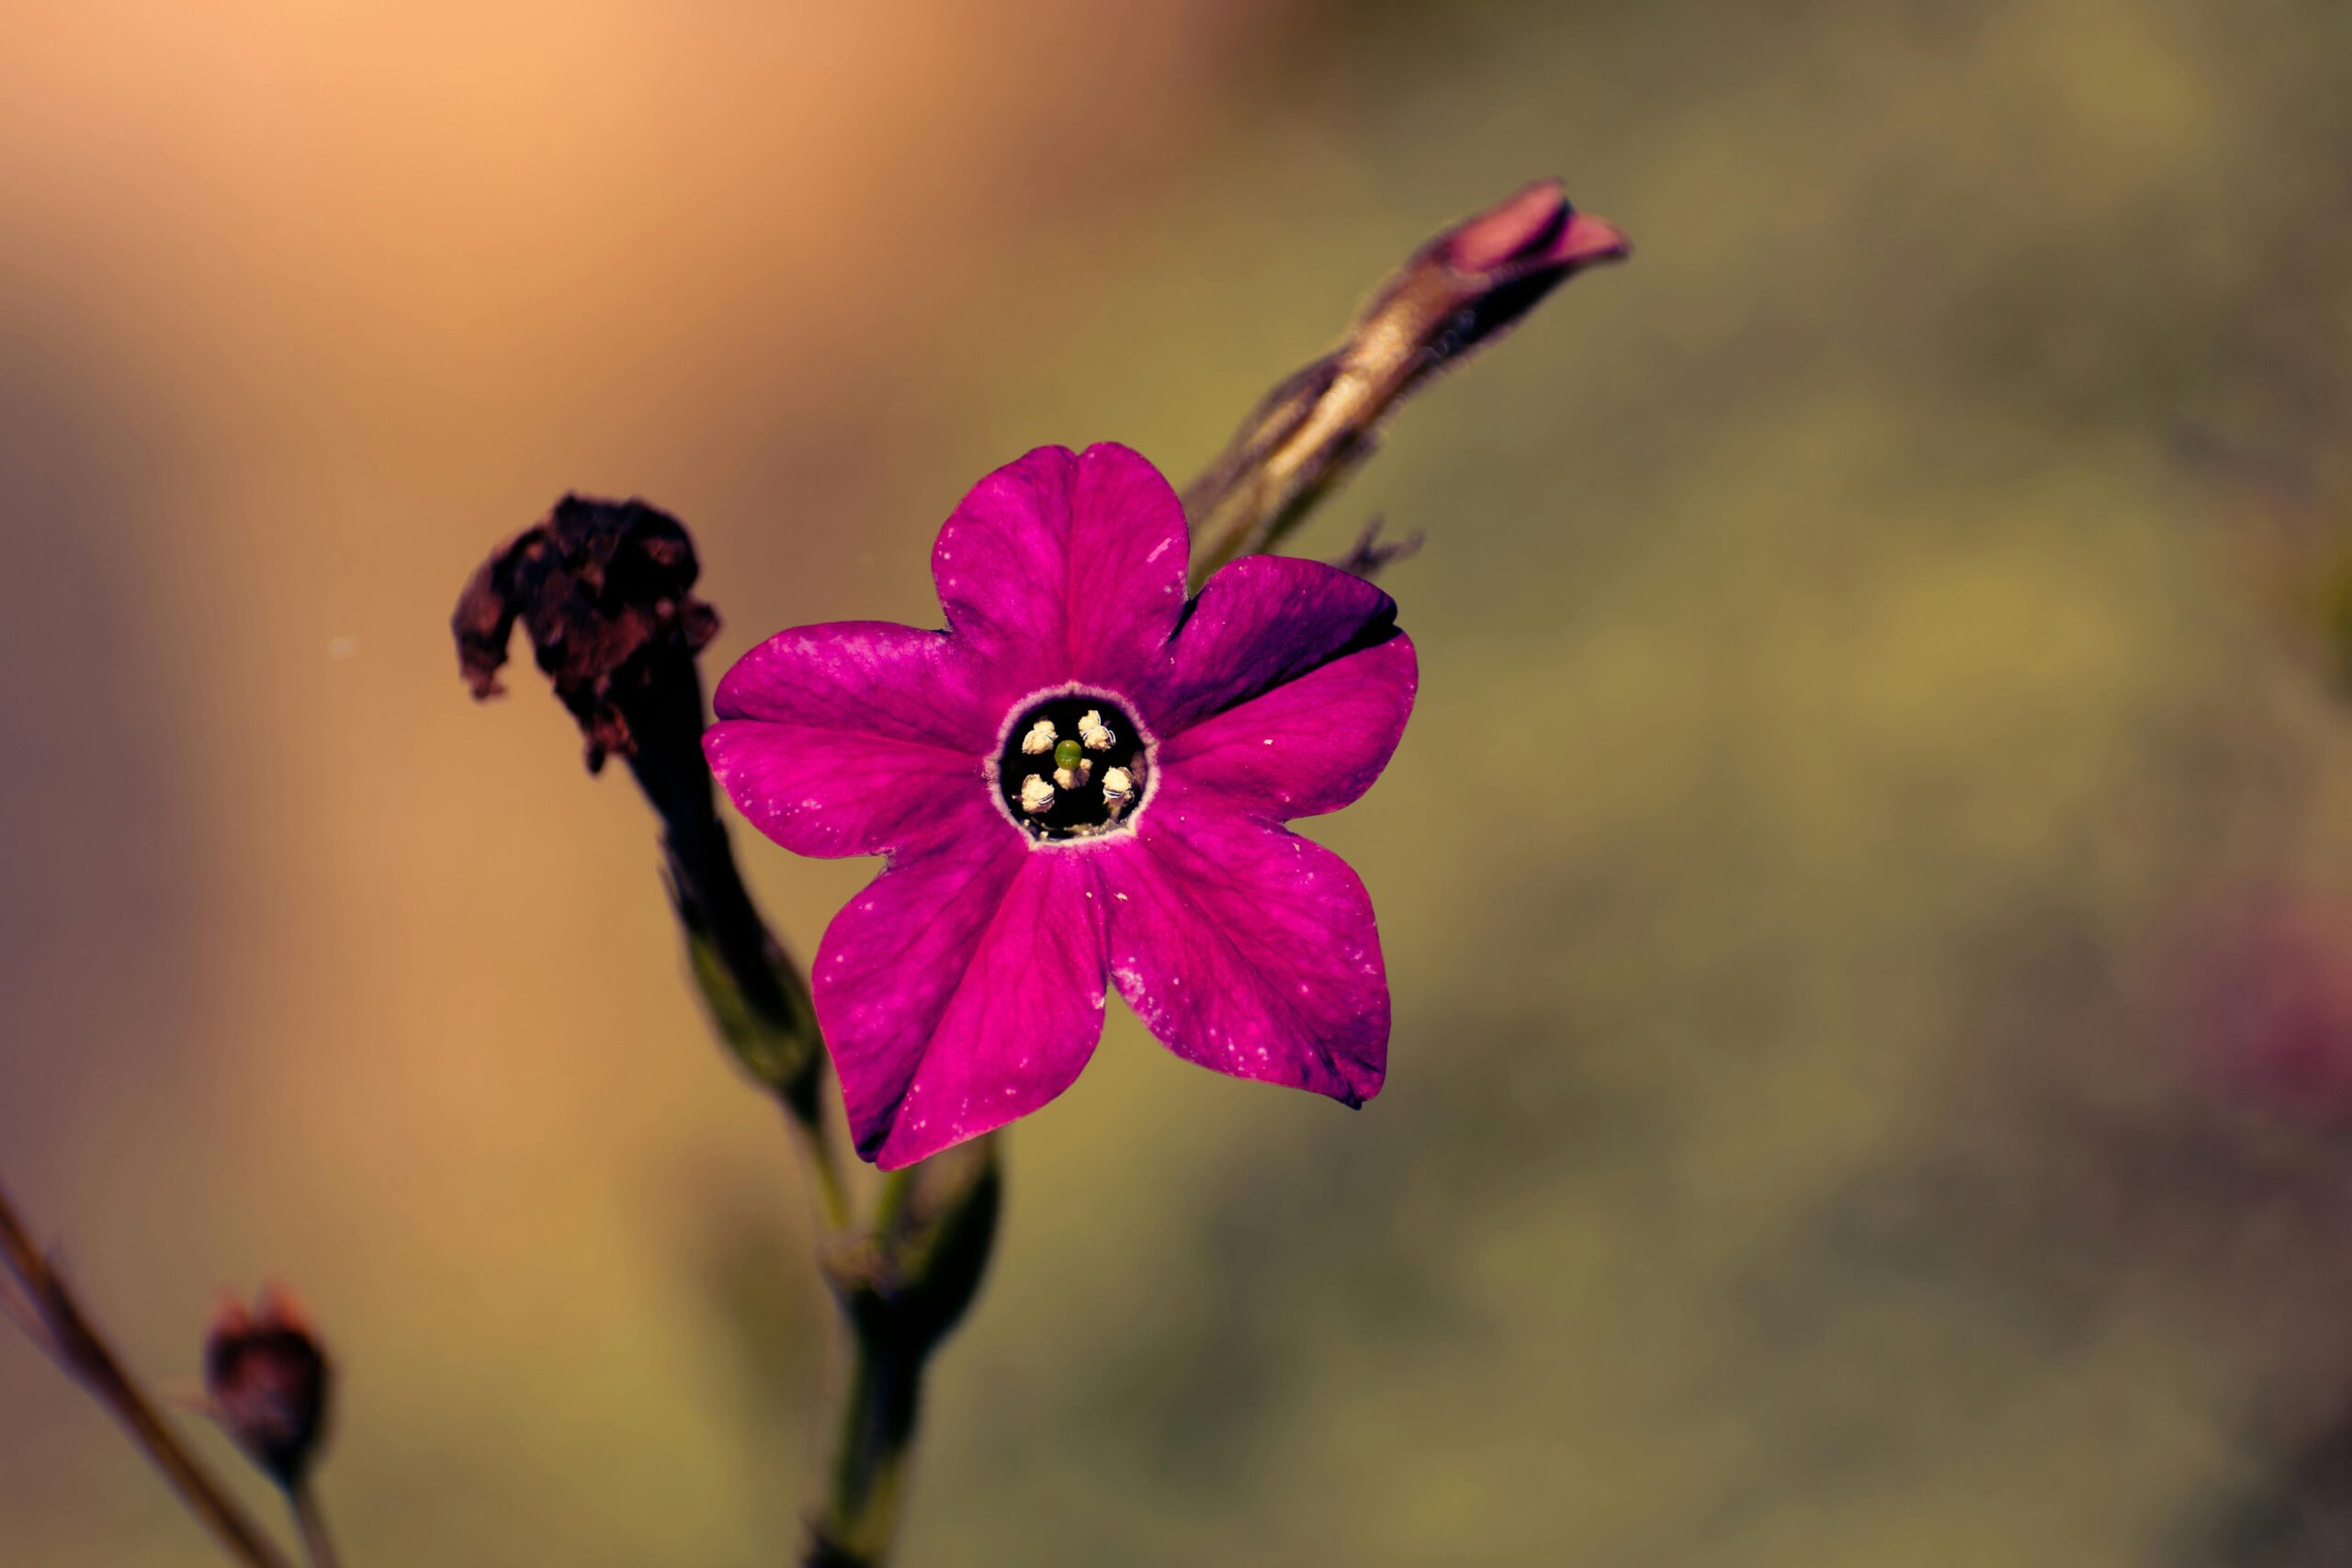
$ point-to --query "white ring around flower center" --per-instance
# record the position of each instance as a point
(1135, 793)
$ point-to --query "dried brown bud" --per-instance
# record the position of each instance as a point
(268, 1380)
(601, 589)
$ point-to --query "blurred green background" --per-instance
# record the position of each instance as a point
(1876, 1098)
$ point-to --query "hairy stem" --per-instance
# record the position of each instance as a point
(74, 1344)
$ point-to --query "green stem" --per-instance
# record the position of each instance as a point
(858, 1516)
(890, 1204)
(901, 1291)
(832, 1197)
(758, 998)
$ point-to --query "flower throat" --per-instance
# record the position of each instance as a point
(1072, 767)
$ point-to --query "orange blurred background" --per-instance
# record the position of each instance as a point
(1795, 1151)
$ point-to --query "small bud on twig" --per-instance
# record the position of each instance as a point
(268, 1380)
(54, 1318)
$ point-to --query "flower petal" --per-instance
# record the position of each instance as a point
(1063, 566)
(1259, 623)
(829, 793)
(847, 738)
(874, 677)
(962, 989)
(1246, 948)
(1309, 745)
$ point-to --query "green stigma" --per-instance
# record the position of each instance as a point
(1067, 755)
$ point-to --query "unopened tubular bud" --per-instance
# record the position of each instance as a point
(1478, 278)
(1465, 288)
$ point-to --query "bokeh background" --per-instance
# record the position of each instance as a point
(1866, 887)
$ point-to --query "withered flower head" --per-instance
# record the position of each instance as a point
(268, 1380)
(603, 590)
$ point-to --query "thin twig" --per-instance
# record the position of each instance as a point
(20, 1312)
(73, 1343)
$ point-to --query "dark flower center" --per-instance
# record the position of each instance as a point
(1072, 767)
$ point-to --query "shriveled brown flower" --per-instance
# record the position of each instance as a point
(602, 590)
(268, 1379)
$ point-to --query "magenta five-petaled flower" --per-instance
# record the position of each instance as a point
(1083, 779)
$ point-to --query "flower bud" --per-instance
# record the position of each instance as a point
(1459, 291)
(1536, 226)
(1495, 267)
(268, 1381)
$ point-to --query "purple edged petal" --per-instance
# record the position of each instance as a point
(1311, 745)
(846, 740)
(1259, 623)
(962, 989)
(1246, 948)
(1064, 567)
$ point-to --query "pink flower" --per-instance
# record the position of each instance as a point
(1083, 779)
